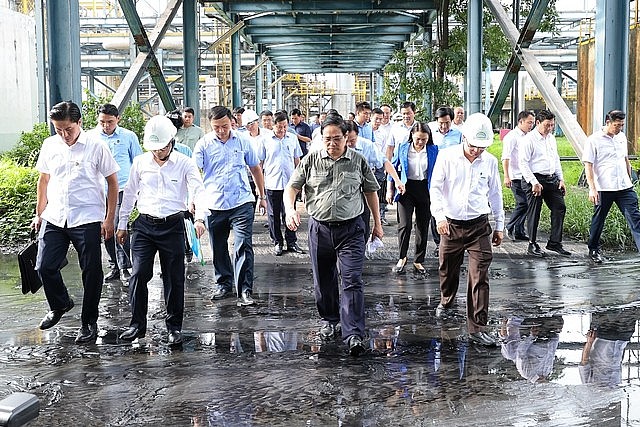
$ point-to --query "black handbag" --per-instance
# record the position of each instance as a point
(27, 263)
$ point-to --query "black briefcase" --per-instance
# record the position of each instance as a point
(27, 263)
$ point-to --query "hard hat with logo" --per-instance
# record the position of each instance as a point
(478, 130)
(158, 132)
(249, 116)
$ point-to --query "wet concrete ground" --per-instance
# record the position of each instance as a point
(266, 365)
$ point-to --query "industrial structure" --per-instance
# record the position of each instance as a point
(316, 55)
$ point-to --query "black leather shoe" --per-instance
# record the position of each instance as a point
(132, 333)
(436, 252)
(534, 249)
(356, 346)
(509, 233)
(520, 237)
(54, 316)
(557, 247)
(125, 274)
(87, 334)
(293, 247)
(220, 293)
(246, 299)
(596, 257)
(277, 249)
(114, 274)
(175, 337)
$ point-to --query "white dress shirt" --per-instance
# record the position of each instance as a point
(608, 156)
(605, 363)
(510, 148)
(398, 134)
(464, 190)
(161, 190)
(539, 154)
(75, 191)
(417, 163)
(278, 159)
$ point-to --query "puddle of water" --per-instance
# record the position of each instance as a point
(266, 365)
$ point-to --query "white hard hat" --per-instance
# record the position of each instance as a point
(249, 116)
(478, 130)
(158, 132)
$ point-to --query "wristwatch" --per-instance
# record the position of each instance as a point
(263, 197)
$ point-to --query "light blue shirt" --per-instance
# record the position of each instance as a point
(368, 149)
(224, 164)
(451, 138)
(278, 159)
(365, 131)
(124, 146)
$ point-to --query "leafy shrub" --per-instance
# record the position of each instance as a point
(130, 118)
(18, 201)
(26, 151)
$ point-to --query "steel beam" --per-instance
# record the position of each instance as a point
(513, 67)
(474, 57)
(236, 79)
(243, 7)
(323, 20)
(555, 103)
(63, 43)
(146, 59)
(190, 56)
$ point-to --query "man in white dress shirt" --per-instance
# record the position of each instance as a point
(608, 172)
(167, 176)
(465, 189)
(399, 133)
(70, 208)
(513, 177)
(540, 166)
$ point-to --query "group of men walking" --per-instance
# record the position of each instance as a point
(342, 171)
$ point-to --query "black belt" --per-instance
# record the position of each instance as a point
(156, 220)
(468, 222)
(337, 223)
(543, 177)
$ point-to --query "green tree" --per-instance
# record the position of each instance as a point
(131, 117)
(427, 74)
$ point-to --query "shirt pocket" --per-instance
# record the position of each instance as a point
(350, 184)
(317, 178)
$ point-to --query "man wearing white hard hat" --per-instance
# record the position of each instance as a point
(158, 185)
(465, 189)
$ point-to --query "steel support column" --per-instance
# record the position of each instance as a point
(259, 82)
(474, 57)
(41, 61)
(279, 97)
(510, 77)
(269, 86)
(146, 60)
(555, 103)
(612, 58)
(236, 77)
(63, 48)
(190, 43)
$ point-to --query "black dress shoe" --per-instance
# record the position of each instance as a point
(293, 247)
(220, 293)
(53, 317)
(277, 249)
(87, 334)
(175, 337)
(557, 247)
(114, 274)
(534, 249)
(356, 346)
(596, 256)
(125, 274)
(246, 299)
(521, 237)
(132, 333)
(509, 233)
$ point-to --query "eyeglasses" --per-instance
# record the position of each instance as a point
(336, 139)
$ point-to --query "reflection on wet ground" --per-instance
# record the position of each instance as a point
(266, 365)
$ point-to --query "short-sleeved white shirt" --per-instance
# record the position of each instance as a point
(75, 191)
(607, 155)
(510, 144)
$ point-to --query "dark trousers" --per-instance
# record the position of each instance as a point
(553, 197)
(275, 214)
(434, 231)
(627, 202)
(332, 247)
(52, 249)
(240, 219)
(119, 255)
(366, 219)
(519, 214)
(381, 177)
(415, 198)
(475, 238)
(167, 239)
